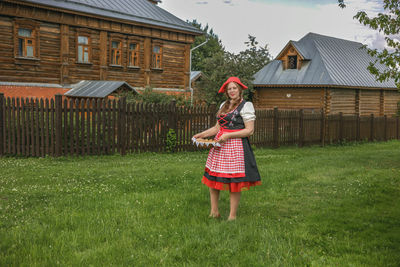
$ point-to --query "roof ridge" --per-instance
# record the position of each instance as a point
(132, 11)
(323, 59)
(121, 12)
(328, 37)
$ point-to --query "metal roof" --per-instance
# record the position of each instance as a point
(194, 75)
(96, 88)
(331, 61)
(142, 11)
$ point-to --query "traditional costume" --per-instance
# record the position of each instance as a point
(232, 166)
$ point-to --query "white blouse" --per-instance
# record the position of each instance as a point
(248, 113)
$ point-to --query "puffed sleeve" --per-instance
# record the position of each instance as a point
(248, 113)
(222, 104)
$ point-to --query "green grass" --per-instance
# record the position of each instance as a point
(332, 206)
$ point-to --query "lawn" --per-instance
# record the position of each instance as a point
(332, 206)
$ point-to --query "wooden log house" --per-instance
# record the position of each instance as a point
(322, 72)
(57, 44)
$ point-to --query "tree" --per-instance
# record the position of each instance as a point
(249, 61)
(212, 47)
(388, 23)
(223, 64)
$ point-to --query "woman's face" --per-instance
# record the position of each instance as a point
(233, 91)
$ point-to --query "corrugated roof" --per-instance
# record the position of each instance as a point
(134, 10)
(332, 61)
(194, 75)
(96, 88)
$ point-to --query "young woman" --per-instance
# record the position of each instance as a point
(232, 166)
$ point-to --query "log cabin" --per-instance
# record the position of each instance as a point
(322, 72)
(51, 44)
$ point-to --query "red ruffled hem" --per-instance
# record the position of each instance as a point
(225, 175)
(233, 187)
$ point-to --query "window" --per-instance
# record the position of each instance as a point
(116, 52)
(26, 41)
(84, 51)
(156, 62)
(133, 55)
(292, 62)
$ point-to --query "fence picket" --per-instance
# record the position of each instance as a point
(82, 140)
(71, 127)
(52, 127)
(23, 128)
(13, 126)
(42, 129)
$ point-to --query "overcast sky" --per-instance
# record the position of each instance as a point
(275, 22)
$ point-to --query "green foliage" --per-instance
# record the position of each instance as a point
(170, 142)
(388, 23)
(150, 96)
(224, 64)
(212, 47)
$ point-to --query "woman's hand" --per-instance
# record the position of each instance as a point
(209, 132)
(199, 135)
(223, 138)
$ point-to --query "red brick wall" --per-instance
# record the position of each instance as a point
(31, 91)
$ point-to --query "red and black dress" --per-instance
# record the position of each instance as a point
(232, 166)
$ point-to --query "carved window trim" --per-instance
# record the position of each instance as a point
(133, 55)
(113, 52)
(34, 27)
(83, 33)
(157, 56)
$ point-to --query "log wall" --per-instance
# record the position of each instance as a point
(333, 100)
(392, 100)
(370, 102)
(289, 98)
(343, 100)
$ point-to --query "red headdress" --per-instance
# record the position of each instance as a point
(232, 79)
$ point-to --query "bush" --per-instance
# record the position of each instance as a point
(150, 96)
(170, 142)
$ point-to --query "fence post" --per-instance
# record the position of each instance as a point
(122, 124)
(58, 114)
(276, 128)
(358, 126)
(385, 128)
(340, 126)
(371, 137)
(1, 124)
(397, 127)
(322, 136)
(301, 128)
(172, 115)
(213, 113)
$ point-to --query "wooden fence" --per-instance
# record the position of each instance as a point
(39, 127)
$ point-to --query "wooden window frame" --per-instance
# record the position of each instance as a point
(136, 53)
(155, 56)
(87, 34)
(34, 26)
(120, 40)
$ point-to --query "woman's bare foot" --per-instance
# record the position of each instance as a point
(214, 215)
(231, 218)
